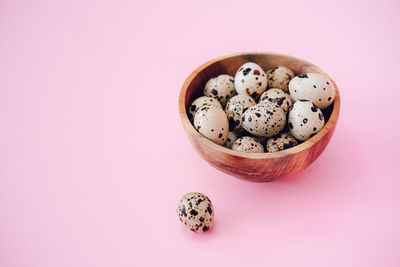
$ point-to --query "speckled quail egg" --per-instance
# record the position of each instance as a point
(248, 144)
(264, 119)
(212, 123)
(279, 77)
(202, 101)
(314, 87)
(279, 97)
(250, 79)
(305, 120)
(221, 88)
(280, 142)
(196, 212)
(232, 136)
(235, 108)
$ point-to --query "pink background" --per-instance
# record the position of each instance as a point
(93, 157)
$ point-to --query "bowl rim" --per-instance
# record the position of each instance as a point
(329, 125)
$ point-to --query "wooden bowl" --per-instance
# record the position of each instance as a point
(255, 167)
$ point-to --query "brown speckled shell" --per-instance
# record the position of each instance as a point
(196, 212)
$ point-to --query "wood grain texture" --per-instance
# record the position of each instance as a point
(255, 167)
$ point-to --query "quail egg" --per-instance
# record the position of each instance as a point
(202, 101)
(314, 87)
(235, 108)
(264, 119)
(248, 144)
(280, 142)
(279, 97)
(196, 212)
(305, 120)
(279, 77)
(221, 88)
(212, 123)
(250, 79)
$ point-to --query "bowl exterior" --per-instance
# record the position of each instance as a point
(260, 169)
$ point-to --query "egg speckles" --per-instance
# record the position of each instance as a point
(202, 101)
(279, 77)
(264, 119)
(235, 108)
(279, 97)
(248, 144)
(221, 88)
(212, 123)
(305, 120)
(250, 79)
(196, 212)
(280, 142)
(314, 87)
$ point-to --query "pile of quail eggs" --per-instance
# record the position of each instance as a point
(258, 111)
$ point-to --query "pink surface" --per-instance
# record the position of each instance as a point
(94, 158)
